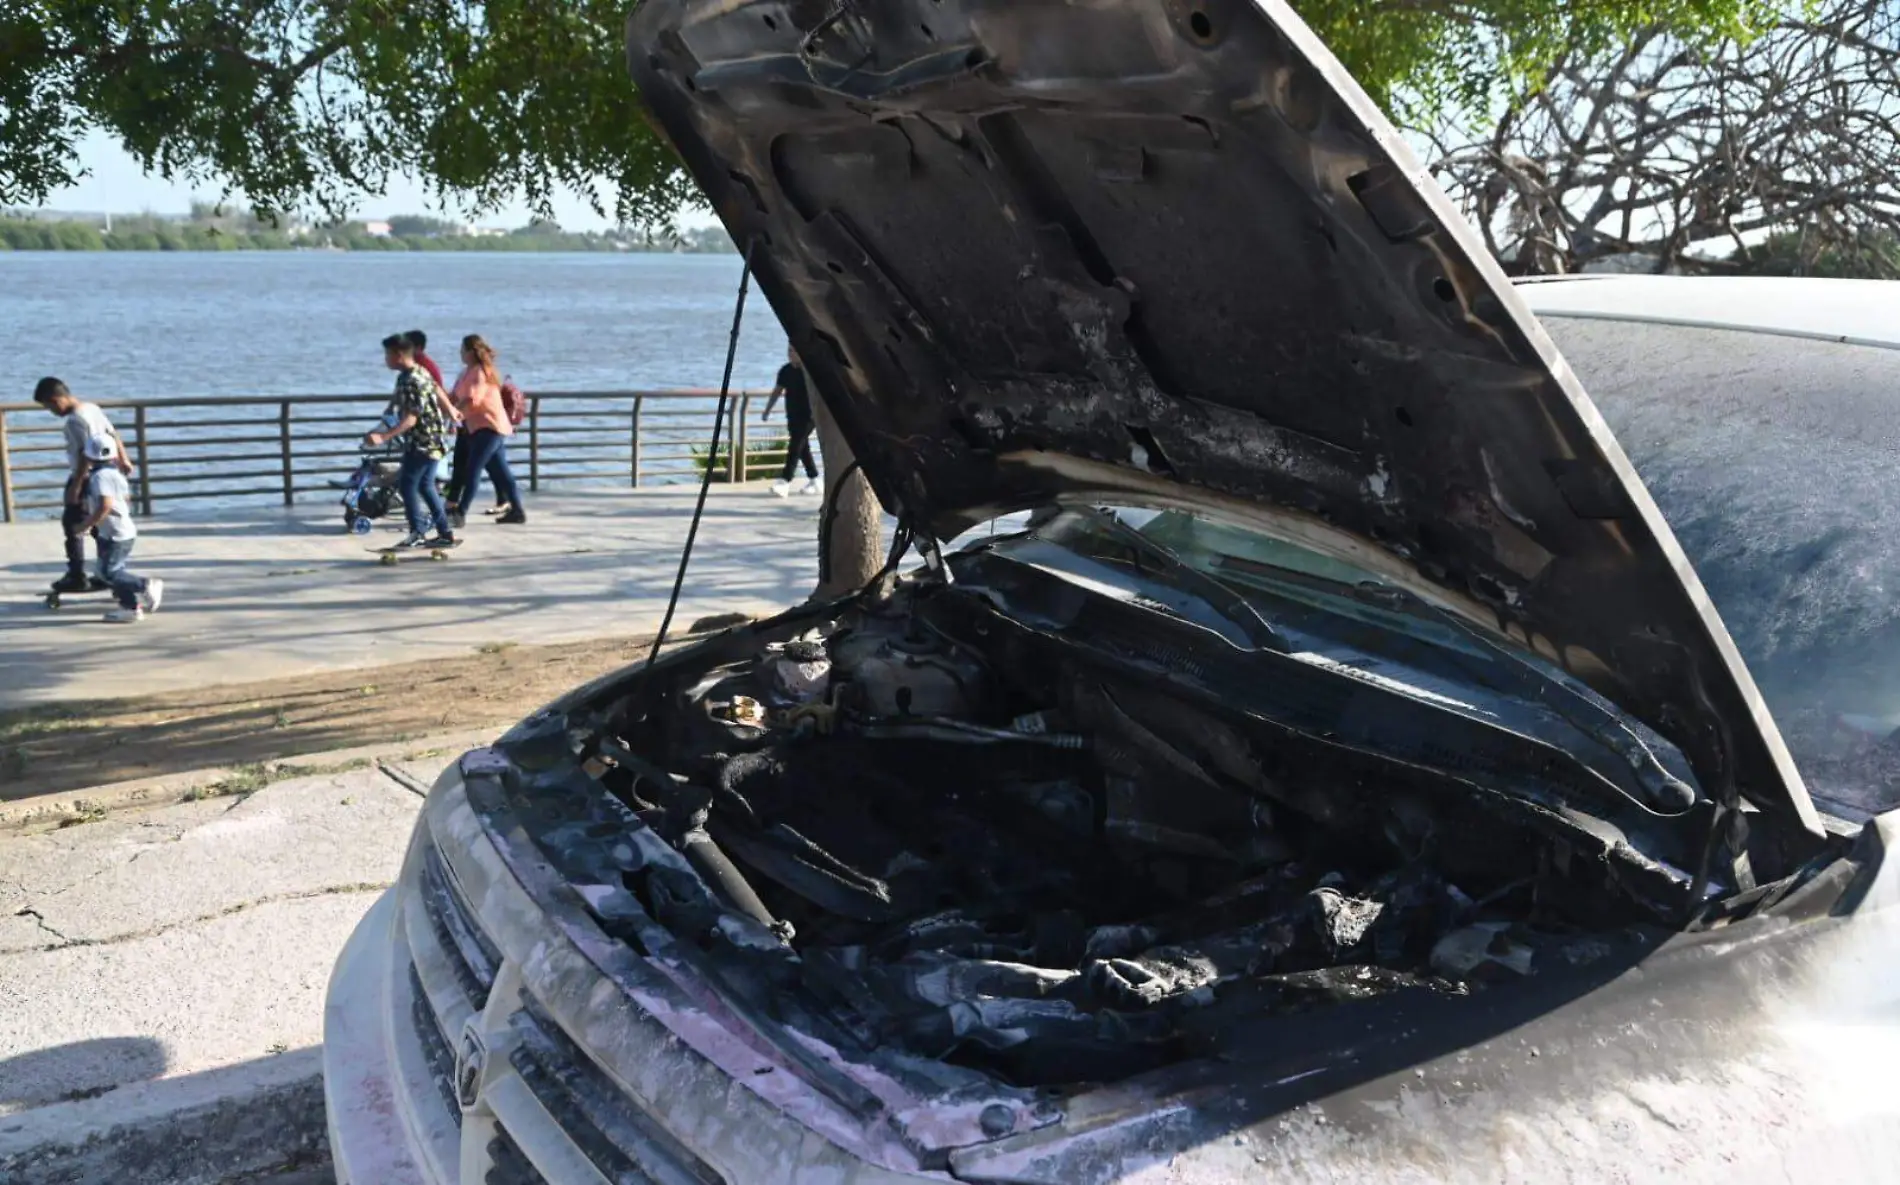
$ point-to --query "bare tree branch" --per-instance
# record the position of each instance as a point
(1787, 145)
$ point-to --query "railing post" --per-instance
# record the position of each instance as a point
(283, 446)
(534, 442)
(6, 472)
(634, 438)
(145, 462)
(742, 464)
(731, 437)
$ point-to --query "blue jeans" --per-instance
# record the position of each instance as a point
(417, 483)
(457, 492)
(488, 449)
(112, 556)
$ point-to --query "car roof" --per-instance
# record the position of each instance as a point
(1856, 312)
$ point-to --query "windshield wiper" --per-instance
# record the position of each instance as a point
(1223, 598)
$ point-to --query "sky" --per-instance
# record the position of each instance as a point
(115, 184)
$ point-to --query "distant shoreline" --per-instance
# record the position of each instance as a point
(147, 234)
(498, 250)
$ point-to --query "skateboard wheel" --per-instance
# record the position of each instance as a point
(438, 555)
(52, 600)
(389, 560)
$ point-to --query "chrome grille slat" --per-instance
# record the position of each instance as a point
(435, 1047)
(508, 1165)
(585, 1099)
(476, 957)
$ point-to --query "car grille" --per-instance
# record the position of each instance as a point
(435, 1048)
(471, 954)
(624, 1143)
(622, 1140)
(508, 1166)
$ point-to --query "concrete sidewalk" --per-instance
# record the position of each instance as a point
(253, 593)
(164, 972)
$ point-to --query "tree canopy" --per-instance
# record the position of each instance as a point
(1775, 153)
(310, 104)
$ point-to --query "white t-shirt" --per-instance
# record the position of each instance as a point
(85, 423)
(107, 482)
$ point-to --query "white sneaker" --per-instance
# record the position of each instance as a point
(812, 486)
(781, 488)
(121, 613)
(153, 594)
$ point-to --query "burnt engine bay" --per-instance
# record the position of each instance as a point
(923, 825)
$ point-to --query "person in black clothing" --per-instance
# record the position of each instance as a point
(791, 386)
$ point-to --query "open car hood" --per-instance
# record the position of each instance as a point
(1168, 249)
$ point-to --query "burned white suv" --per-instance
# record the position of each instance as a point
(1342, 775)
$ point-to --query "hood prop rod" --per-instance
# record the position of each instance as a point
(705, 481)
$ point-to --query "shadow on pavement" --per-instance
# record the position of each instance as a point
(80, 1070)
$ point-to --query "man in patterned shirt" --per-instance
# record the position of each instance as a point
(418, 417)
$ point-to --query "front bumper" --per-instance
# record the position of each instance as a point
(372, 1129)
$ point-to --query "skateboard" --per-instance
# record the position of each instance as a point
(93, 585)
(395, 555)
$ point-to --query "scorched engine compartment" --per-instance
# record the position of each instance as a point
(933, 829)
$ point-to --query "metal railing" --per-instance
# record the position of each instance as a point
(295, 446)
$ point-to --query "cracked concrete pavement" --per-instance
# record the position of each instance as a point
(156, 946)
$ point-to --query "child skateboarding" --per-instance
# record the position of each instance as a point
(420, 408)
(83, 422)
(107, 515)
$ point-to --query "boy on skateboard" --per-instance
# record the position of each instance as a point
(423, 424)
(83, 422)
(107, 511)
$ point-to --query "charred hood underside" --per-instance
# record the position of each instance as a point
(1167, 246)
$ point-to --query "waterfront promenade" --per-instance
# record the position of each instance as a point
(162, 1021)
(258, 592)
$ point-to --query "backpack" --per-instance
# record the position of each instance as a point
(513, 402)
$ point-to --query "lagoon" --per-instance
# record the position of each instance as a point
(176, 324)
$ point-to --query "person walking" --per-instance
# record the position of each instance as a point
(107, 514)
(485, 423)
(420, 341)
(798, 423)
(85, 422)
(420, 419)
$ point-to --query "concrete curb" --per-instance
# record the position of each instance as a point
(48, 810)
(201, 1129)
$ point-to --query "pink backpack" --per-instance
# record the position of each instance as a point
(513, 402)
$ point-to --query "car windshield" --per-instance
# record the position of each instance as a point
(1248, 564)
(1777, 462)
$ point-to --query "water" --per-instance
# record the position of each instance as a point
(160, 325)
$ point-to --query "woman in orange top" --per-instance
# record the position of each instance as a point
(477, 396)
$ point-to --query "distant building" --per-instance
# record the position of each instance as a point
(376, 230)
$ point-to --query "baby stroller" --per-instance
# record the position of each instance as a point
(371, 490)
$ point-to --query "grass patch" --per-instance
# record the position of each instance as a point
(83, 812)
(768, 457)
(24, 724)
(248, 778)
(253, 776)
